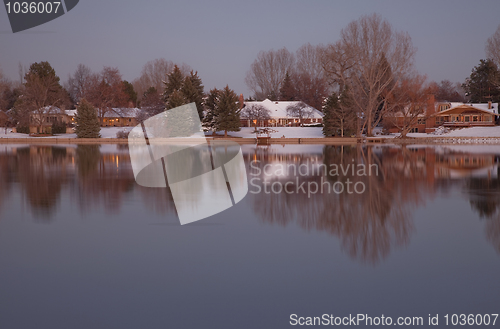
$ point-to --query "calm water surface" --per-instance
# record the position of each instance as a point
(83, 246)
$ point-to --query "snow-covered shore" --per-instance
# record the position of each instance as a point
(107, 132)
(292, 132)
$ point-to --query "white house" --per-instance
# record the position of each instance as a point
(279, 116)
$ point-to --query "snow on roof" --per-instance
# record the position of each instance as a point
(124, 112)
(479, 106)
(484, 106)
(50, 110)
(70, 113)
(278, 108)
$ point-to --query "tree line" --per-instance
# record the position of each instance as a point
(162, 85)
(358, 82)
(366, 77)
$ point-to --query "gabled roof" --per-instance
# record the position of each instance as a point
(483, 108)
(50, 110)
(70, 113)
(277, 109)
(124, 112)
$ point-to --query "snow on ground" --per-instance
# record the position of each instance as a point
(106, 132)
(288, 132)
(475, 132)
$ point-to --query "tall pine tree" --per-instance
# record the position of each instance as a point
(192, 90)
(211, 108)
(228, 111)
(483, 85)
(87, 121)
(176, 99)
(339, 117)
(174, 82)
(287, 90)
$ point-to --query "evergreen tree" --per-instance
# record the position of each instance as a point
(287, 90)
(128, 89)
(192, 94)
(42, 94)
(192, 88)
(87, 122)
(176, 99)
(483, 85)
(339, 117)
(173, 83)
(228, 111)
(211, 109)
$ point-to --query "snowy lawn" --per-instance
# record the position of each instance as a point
(106, 132)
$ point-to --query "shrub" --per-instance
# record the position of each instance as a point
(122, 134)
(58, 128)
(23, 130)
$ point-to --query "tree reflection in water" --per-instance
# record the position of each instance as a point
(368, 225)
(42, 173)
(484, 194)
(82, 174)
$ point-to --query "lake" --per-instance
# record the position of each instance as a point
(393, 230)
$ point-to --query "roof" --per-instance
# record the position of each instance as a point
(70, 113)
(461, 108)
(124, 112)
(277, 109)
(50, 110)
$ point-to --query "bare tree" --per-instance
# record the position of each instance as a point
(151, 104)
(268, 71)
(106, 91)
(154, 73)
(300, 110)
(371, 57)
(79, 83)
(408, 103)
(256, 113)
(493, 47)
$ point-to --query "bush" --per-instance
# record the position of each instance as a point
(58, 128)
(122, 134)
(23, 130)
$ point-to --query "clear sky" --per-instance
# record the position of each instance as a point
(220, 39)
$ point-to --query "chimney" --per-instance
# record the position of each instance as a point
(431, 107)
(489, 105)
(242, 101)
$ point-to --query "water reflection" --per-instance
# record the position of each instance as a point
(369, 225)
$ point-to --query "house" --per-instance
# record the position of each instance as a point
(42, 121)
(466, 115)
(120, 117)
(279, 116)
(451, 115)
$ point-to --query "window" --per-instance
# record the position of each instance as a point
(421, 121)
(467, 118)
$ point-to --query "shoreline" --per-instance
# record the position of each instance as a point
(324, 140)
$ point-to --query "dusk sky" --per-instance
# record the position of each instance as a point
(220, 39)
